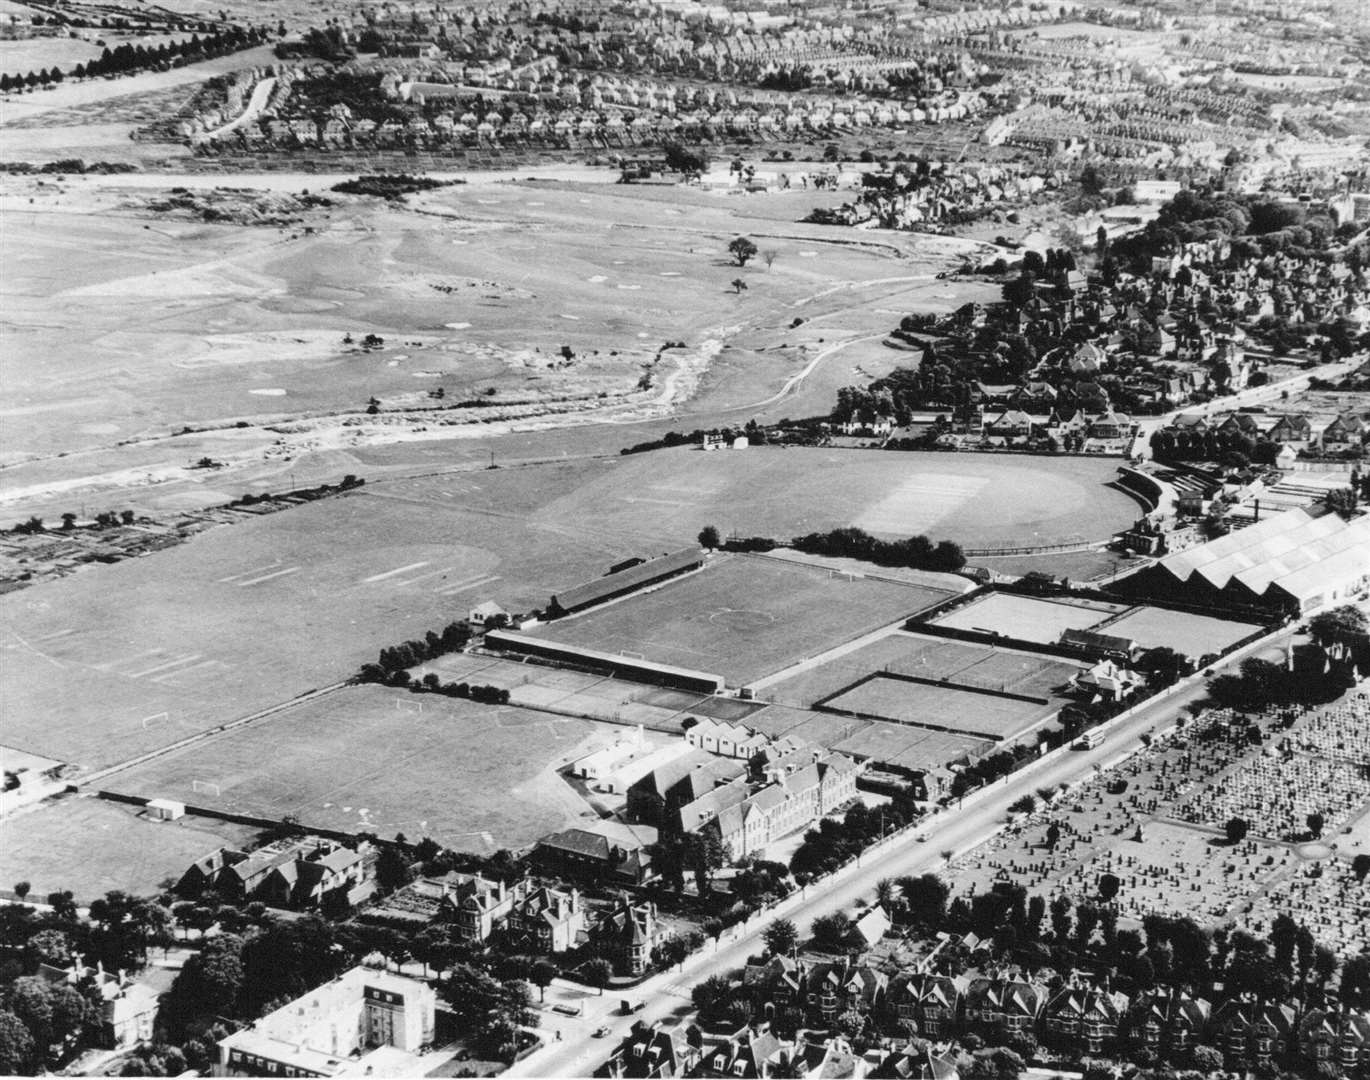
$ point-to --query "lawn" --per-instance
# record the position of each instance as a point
(369, 759)
(941, 707)
(926, 658)
(742, 617)
(105, 665)
(976, 500)
(91, 846)
(1190, 635)
(1027, 618)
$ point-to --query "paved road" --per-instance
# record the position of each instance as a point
(958, 829)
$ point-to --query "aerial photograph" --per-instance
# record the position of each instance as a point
(685, 538)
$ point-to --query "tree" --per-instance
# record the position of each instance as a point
(738, 285)
(21, 889)
(1208, 1059)
(709, 538)
(393, 868)
(1340, 629)
(693, 163)
(1108, 886)
(1360, 866)
(1316, 821)
(1341, 501)
(597, 972)
(768, 256)
(16, 1046)
(742, 249)
(926, 898)
(781, 937)
(209, 984)
(541, 976)
(1236, 830)
(832, 931)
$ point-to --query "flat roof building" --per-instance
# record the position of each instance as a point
(363, 1023)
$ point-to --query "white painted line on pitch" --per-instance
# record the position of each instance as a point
(453, 590)
(425, 577)
(166, 675)
(393, 573)
(268, 577)
(166, 664)
(473, 579)
(248, 573)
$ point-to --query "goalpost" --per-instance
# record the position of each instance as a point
(204, 787)
(155, 718)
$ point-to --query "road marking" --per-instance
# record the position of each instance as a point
(166, 664)
(393, 573)
(268, 577)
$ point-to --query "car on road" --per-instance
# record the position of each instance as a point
(601, 1031)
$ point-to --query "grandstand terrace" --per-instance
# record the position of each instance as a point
(612, 586)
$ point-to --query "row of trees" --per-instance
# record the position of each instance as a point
(128, 58)
(834, 843)
(396, 660)
(917, 552)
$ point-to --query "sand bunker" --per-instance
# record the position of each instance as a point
(268, 391)
(597, 278)
(630, 288)
(457, 325)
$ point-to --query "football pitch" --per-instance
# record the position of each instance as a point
(743, 617)
(366, 759)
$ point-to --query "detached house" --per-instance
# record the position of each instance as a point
(549, 920)
(478, 906)
(626, 935)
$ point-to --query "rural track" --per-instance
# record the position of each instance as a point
(204, 736)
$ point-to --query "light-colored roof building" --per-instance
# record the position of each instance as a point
(379, 1017)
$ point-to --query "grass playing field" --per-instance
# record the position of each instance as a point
(742, 617)
(1028, 618)
(976, 500)
(91, 846)
(943, 707)
(1190, 635)
(473, 777)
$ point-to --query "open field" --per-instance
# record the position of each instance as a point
(954, 662)
(1028, 618)
(91, 846)
(1186, 633)
(943, 707)
(102, 666)
(504, 270)
(742, 617)
(377, 760)
(118, 660)
(975, 500)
